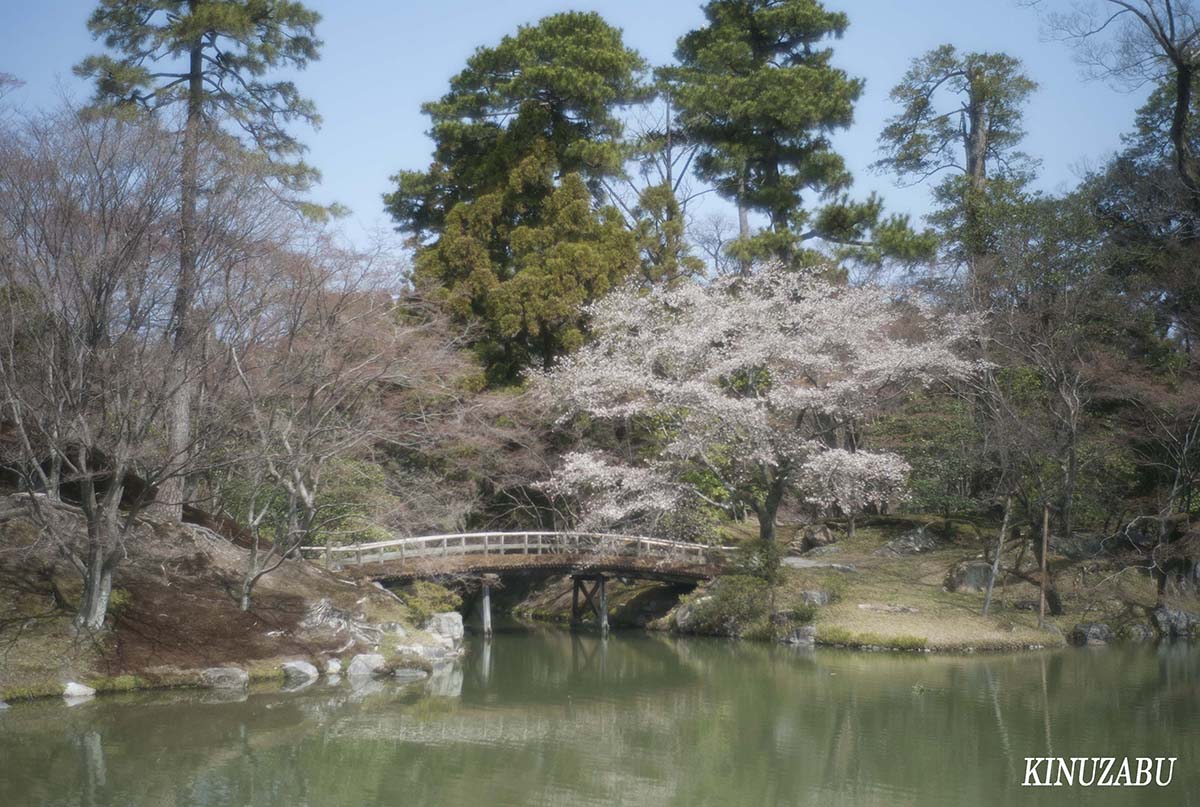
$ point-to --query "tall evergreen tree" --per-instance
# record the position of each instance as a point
(210, 58)
(506, 218)
(757, 90)
(961, 116)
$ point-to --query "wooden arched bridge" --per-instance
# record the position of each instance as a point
(590, 558)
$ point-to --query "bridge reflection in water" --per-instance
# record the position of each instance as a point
(590, 558)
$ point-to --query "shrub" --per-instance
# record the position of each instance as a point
(118, 599)
(424, 599)
(734, 605)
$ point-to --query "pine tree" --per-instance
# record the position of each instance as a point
(961, 117)
(757, 90)
(506, 218)
(208, 57)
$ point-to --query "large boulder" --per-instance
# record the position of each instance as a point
(1094, 633)
(447, 625)
(1137, 632)
(816, 535)
(1174, 623)
(225, 678)
(73, 690)
(366, 665)
(816, 597)
(299, 672)
(1079, 545)
(687, 614)
(803, 636)
(333, 666)
(911, 543)
(967, 576)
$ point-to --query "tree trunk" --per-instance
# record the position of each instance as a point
(976, 145)
(170, 494)
(548, 351)
(54, 478)
(1185, 160)
(1042, 560)
(1070, 473)
(769, 509)
(766, 526)
(743, 221)
(97, 589)
(987, 598)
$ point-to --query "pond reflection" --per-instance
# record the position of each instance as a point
(544, 716)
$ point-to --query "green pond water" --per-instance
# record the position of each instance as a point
(547, 717)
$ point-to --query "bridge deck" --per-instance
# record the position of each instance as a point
(498, 552)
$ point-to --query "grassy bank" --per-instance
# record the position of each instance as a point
(872, 600)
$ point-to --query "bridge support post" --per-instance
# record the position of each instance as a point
(486, 607)
(602, 606)
(576, 587)
(594, 597)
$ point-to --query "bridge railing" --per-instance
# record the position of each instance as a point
(514, 543)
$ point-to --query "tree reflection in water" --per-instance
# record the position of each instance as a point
(545, 716)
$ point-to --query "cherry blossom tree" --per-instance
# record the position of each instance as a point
(755, 388)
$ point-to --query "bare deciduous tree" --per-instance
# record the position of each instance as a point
(327, 361)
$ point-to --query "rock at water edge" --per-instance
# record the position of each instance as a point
(225, 678)
(447, 625)
(74, 690)
(366, 665)
(299, 672)
(1093, 633)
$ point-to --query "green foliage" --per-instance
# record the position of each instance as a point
(119, 683)
(424, 599)
(1149, 144)
(732, 606)
(523, 141)
(975, 221)
(118, 600)
(351, 505)
(757, 90)
(211, 55)
(939, 437)
(928, 136)
(759, 559)
(659, 228)
(961, 113)
(531, 304)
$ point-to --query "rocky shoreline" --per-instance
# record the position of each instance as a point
(406, 663)
(175, 621)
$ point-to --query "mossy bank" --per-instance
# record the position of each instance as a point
(909, 583)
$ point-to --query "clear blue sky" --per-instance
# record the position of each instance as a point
(383, 59)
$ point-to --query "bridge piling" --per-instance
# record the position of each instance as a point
(602, 611)
(595, 598)
(486, 607)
